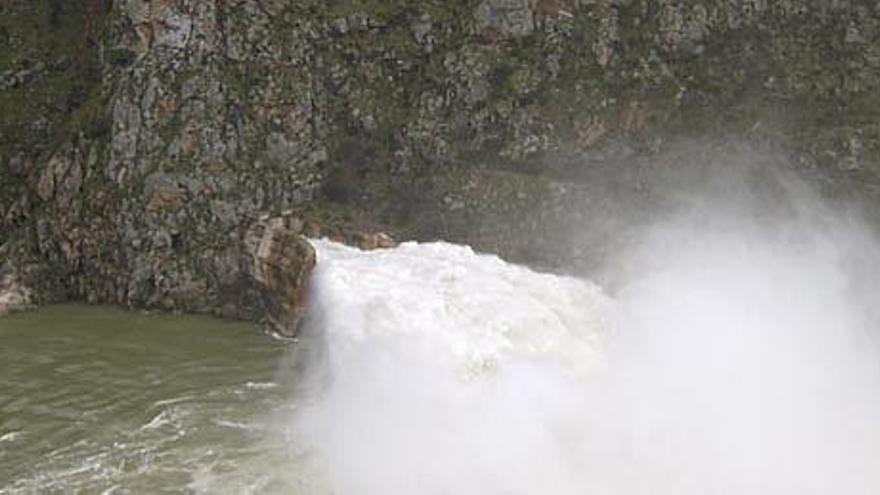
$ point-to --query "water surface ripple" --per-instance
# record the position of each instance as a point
(103, 400)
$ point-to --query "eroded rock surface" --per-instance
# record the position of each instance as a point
(282, 264)
(142, 141)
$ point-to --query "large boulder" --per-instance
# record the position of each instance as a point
(281, 264)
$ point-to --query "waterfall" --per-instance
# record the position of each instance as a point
(732, 362)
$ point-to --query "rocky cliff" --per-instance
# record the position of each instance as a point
(142, 142)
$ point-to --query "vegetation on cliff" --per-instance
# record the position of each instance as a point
(141, 140)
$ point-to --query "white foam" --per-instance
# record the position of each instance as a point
(437, 354)
(10, 436)
(736, 367)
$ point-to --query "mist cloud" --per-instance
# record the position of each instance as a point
(734, 352)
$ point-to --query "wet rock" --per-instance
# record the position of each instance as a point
(377, 240)
(281, 264)
(14, 296)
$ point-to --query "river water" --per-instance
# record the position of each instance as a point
(741, 363)
(99, 399)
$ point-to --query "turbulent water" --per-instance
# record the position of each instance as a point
(733, 362)
(99, 400)
(740, 364)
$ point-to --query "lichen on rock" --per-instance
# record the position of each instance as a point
(142, 141)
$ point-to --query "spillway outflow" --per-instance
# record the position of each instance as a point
(445, 371)
(740, 366)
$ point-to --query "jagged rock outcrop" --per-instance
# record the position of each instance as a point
(141, 141)
(282, 263)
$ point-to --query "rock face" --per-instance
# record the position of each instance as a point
(141, 142)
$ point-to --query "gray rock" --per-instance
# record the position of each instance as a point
(505, 18)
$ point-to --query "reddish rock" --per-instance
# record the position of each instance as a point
(282, 263)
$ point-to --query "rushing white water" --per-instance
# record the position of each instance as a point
(447, 370)
(736, 364)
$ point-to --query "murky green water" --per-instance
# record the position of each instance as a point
(100, 400)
